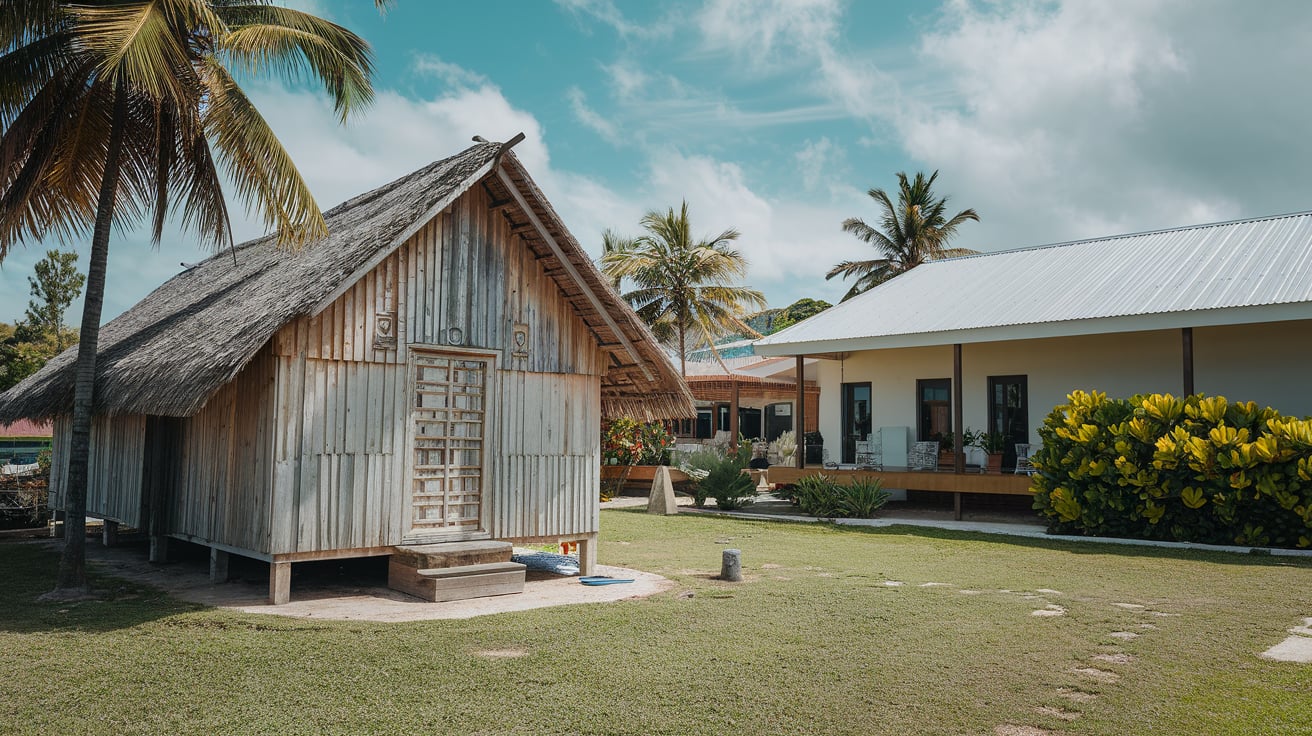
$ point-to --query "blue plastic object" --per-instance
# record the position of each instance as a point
(602, 580)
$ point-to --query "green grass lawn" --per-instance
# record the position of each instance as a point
(814, 641)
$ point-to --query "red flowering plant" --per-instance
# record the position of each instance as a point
(628, 442)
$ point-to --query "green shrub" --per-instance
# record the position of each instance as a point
(819, 496)
(698, 465)
(1158, 467)
(863, 499)
(729, 486)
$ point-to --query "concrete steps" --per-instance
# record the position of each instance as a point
(455, 571)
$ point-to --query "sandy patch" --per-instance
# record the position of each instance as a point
(770, 566)
(1163, 614)
(969, 592)
(1123, 635)
(1117, 658)
(509, 653)
(1093, 673)
(1048, 591)
(1060, 713)
(935, 585)
(1129, 606)
(1076, 696)
(893, 583)
(1148, 627)
(1011, 729)
(1049, 610)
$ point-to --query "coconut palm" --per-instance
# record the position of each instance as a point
(111, 111)
(915, 231)
(683, 289)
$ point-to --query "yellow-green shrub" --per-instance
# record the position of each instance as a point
(1159, 467)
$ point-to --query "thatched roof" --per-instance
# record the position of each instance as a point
(171, 351)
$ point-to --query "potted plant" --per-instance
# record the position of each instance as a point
(993, 443)
(947, 448)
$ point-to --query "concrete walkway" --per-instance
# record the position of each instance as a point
(1018, 528)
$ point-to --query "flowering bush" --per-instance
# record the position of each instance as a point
(630, 442)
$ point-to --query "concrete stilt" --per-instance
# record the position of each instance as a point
(280, 582)
(109, 533)
(588, 555)
(218, 566)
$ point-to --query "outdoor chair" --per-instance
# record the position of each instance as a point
(827, 463)
(923, 456)
(1023, 464)
(870, 453)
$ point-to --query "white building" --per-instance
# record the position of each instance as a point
(1221, 309)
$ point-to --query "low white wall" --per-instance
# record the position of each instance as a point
(1267, 363)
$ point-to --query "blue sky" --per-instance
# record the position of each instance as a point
(1054, 120)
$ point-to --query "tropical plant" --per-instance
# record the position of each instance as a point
(823, 497)
(683, 288)
(862, 499)
(111, 111)
(729, 486)
(914, 231)
(1197, 469)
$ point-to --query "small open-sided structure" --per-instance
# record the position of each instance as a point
(434, 371)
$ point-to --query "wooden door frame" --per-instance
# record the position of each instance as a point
(490, 426)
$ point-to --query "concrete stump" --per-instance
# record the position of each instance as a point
(661, 500)
(731, 566)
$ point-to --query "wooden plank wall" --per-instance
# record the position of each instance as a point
(340, 444)
(547, 475)
(114, 468)
(222, 481)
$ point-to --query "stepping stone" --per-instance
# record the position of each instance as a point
(1148, 626)
(1305, 629)
(1050, 610)
(1123, 635)
(1048, 591)
(1293, 649)
(1162, 614)
(892, 583)
(1129, 606)
(968, 592)
(934, 585)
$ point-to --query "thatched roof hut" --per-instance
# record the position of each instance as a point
(434, 371)
(171, 351)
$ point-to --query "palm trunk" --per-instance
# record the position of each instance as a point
(72, 580)
(683, 350)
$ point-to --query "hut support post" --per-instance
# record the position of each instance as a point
(159, 549)
(109, 533)
(218, 566)
(799, 420)
(1187, 345)
(588, 555)
(280, 583)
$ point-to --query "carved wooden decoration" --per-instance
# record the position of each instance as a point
(519, 342)
(385, 331)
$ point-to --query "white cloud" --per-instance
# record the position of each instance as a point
(578, 104)
(607, 13)
(1078, 119)
(453, 75)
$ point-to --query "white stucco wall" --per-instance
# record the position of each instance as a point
(1267, 363)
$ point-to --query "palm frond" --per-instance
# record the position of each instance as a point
(262, 171)
(293, 43)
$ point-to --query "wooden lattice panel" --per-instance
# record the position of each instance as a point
(449, 414)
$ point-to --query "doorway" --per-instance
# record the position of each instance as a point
(448, 418)
(1009, 413)
(856, 418)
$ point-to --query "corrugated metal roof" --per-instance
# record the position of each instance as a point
(1247, 263)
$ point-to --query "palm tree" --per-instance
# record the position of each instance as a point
(112, 110)
(914, 232)
(683, 288)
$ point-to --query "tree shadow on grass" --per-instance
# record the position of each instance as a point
(29, 569)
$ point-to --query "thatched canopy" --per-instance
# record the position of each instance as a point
(171, 351)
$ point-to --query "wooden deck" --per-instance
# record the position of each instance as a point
(913, 480)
